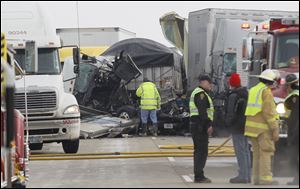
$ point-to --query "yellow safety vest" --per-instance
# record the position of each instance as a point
(288, 112)
(193, 108)
(254, 107)
(294, 92)
(150, 98)
(255, 101)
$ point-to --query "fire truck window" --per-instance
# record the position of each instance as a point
(287, 51)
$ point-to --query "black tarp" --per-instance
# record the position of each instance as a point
(144, 52)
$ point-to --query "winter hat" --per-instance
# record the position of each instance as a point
(235, 80)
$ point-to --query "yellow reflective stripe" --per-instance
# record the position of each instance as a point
(266, 178)
(271, 120)
(256, 104)
(257, 125)
(251, 134)
(3, 47)
(149, 99)
(149, 105)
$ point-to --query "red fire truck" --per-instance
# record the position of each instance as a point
(14, 148)
(275, 45)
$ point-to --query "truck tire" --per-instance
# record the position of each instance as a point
(71, 147)
(127, 112)
(36, 146)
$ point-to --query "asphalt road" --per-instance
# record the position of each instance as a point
(167, 172)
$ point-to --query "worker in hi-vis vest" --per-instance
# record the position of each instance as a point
(262, 127)
(292, 105)
(150, 103)
(201, 113)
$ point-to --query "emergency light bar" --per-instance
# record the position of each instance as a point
(245, 26)
(265, 26)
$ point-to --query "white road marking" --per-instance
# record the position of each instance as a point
(153, 138)
(171, 159)
(187, 178)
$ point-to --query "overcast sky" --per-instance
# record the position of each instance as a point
(143, 17)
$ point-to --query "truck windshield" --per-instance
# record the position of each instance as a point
(48, 61)
(287, 51)
(229, 63)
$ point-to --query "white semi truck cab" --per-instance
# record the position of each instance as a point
(53, 114)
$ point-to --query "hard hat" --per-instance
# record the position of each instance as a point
(268, 75)
(291, 78)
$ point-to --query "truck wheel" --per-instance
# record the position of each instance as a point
(36, 146)
(126, 112)
(71, 147)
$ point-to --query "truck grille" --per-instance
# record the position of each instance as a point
(43, 132)
(37, 100)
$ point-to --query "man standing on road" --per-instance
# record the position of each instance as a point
(235, 121)
(201, 112)
(292, 105)
(262, 127)
(150, 103)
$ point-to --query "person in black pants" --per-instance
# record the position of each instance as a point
(201, 110)
(292, 104)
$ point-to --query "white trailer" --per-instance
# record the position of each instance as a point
(211, 40)
(93, 36)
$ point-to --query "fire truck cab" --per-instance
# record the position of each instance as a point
(14, 146)
(274, 45)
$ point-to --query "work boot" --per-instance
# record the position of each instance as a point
(155, 130)
(274, 182)
(238, 180)
(203, 180)
(144, 130)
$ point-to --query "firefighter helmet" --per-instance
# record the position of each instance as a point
(268, 75)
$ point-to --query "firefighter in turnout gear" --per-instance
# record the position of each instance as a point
(201, 112)
(292, 105)
(150, 103)
(262, 127)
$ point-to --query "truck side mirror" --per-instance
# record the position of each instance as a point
(246, 65)
(76, 59)
(247, 54)
(31, 57)
(76, 56)
(259, 49)
(76, 69)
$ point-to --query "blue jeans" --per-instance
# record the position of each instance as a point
(145, 115)
(242, 151)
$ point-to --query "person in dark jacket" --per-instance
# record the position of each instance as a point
(201, 112)
(235, 122)
(292, 105)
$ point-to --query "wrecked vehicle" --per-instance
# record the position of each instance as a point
(108, 83)
(165, 67)
(105, 126)
(101, 85)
